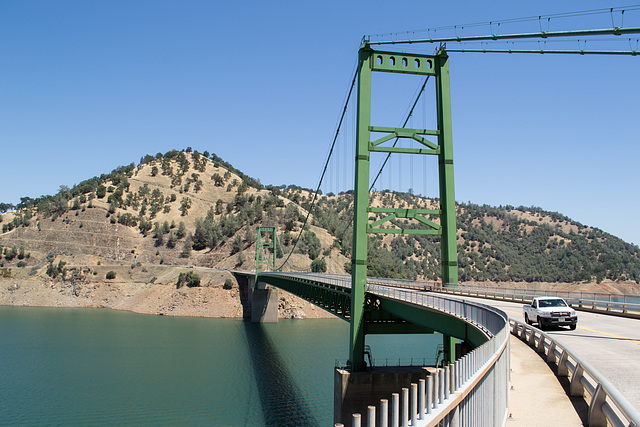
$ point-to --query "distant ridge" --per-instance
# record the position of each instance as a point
(190, 208)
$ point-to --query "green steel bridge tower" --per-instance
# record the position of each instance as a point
(436, 66)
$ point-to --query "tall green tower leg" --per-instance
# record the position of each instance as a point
(361, 201)
(445, 169)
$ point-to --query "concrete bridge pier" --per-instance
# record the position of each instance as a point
(259, 303)
(264, 304)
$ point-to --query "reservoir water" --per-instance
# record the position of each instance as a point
(104, 367)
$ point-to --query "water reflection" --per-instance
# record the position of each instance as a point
(281, 399)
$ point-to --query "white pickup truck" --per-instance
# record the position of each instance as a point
(550, 311)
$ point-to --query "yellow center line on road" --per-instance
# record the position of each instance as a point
(611, 335)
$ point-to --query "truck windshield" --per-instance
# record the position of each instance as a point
(552, 303)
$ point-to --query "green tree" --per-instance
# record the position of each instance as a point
(181, 230)
(185, 204)
(5, 207)
(250, 237)
(218, 181)
(101, 191)
(319, 266)
(236, 245)
(219, 206)
(171, 240)
(189, 279)
(186, 249)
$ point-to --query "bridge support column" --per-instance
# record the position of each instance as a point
(354, 392)
(264, 305)
(449, 344)
(448, 243)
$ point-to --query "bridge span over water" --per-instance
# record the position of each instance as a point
(471, 382)
(605, 346)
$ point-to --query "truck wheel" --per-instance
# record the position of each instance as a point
(540, 324)
(526, 319)
(573, 327)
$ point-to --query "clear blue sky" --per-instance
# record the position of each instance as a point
(89, 86)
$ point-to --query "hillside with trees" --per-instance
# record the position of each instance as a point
(194, 209)
(497, 244)
(178, 208)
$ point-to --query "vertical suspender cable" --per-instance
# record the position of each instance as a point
(324, 170)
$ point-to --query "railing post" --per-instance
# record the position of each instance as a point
(532, 338)
(446, 382)
(404, 416)
(551, 356)
(541, 344)
(576, 388)
(371, 416)
(384, 413)
(429, 393)
(597, 417)
(563, 369)
(414, 404)
(440, 385)
(421, 399)
(454, 417)
(452, 378)
(395, 410)
(436, 388)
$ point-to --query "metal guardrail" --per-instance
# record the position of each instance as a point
(470, 392)
(607, 406)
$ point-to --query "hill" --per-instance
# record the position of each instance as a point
(178, 209)
(497, 244)
(185, 208)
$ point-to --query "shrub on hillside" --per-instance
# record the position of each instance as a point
(53, 270)
(190, 279)
(110, 275)
(228, 284)
(319, 266)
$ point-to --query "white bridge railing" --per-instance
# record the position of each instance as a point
(607, 406)
(472, 391)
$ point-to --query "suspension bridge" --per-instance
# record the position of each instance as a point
(470, 385)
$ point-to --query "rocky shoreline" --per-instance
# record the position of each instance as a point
(162, 297)
(145, 298)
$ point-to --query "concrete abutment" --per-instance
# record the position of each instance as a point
(355, 391)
